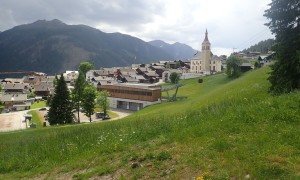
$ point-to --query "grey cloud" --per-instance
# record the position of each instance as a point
(91, 12)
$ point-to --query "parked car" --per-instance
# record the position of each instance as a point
(43, 109)
(102, 115)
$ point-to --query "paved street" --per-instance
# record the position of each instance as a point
(15, 120)
(120, 112)
(12, 121)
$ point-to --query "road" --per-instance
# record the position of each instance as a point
(15, 120)
(12, 121)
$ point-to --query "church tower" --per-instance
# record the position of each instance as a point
(206, 54)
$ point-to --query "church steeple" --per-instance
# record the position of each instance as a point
(206, 37)
(206, 43)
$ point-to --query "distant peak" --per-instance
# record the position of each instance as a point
(52, 22)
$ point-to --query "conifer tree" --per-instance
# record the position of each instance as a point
(284, 22)
(60, 111)
(88, 101)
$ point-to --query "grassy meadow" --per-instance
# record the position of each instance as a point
(225, 129)
(38, 104)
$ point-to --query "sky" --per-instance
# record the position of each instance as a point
(232, 25)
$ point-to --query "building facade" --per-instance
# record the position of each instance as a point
(132, 96)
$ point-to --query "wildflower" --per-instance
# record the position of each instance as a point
(121, 139)
(200, 178)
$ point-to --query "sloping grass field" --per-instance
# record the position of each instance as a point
(225, 129)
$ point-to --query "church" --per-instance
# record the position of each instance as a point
(205, 62)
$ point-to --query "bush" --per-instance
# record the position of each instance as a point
(174, 77)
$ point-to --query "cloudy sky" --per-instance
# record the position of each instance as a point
(230, 23)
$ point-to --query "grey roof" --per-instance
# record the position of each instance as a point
(139, 77)
(131, 79)
(47, 79)
(42, 87)
(158, 67)
(151, 73)
(102, 72)
(138, 86)
(47, 83)
(103, 78)
(16, 86)
(31, 79)
(144, 69)
(215, 57)
(13, 80)
(128, 71)
(13, 97)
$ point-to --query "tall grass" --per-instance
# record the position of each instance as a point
(225, 129)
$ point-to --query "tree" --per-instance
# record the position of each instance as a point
(177, 65)
(103, 101)
(174, 77)
(88, 100)
(60, 111)
(77, 92)
(84, 67)
(284, 22)
(167, 65)
(233, 67)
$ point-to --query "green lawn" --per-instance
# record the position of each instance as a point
(36, 119)
(225, 129)
(111, 114)
(39, 104)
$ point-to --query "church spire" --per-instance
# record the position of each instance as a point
(206, 36)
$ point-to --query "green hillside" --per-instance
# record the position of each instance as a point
(225, 129)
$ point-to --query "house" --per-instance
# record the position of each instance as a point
(15, 101)
(158, 70)
(152, 76)
(265, 60)
(132, 96)
(31, 80)
(70, 76)
(43, 89)
(246, 67)
(15, 88)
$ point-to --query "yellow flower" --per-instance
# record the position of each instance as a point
(200, 178)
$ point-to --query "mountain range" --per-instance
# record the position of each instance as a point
(178, 50)
(53, 47)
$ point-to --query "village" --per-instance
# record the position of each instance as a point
(131, 88)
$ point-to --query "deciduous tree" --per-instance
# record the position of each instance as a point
(233, 69)
(84, 67)
(88, 100)
(103, 101)
(284, 22)
(174, 77)
(77, 92)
